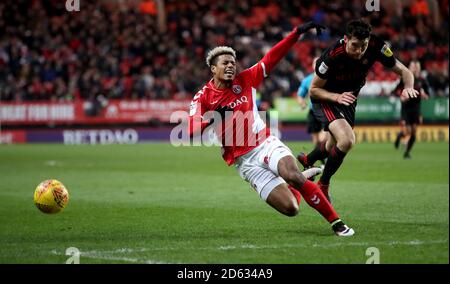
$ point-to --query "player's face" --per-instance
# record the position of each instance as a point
(355, 47)
(225, 69)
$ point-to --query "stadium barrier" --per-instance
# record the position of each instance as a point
(425, 133)
(89, 113)
(133, 135)
(370, 110)
(99, 136)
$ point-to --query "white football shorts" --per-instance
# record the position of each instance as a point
(259, 167)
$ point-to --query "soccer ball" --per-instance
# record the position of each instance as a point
(51, 196)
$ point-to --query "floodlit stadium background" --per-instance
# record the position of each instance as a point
(114, 72)
(135, 62)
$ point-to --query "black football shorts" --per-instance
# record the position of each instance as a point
(327, 112)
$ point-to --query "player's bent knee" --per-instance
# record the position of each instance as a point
(283, 201)
(291, 209)
(346, 144)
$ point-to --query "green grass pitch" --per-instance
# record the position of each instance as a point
(154, 203)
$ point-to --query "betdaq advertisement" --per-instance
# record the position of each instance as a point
(133, 135)
(100, 136)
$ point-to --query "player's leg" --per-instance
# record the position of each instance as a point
(412, 138)
(320, 152)
(344, 136)
(274, 190)
(278, 194)
(253, 167)
(400, 134)
(284, 200)
(315, 138)
(301, 155)
(278, 159)
(287, 168)
(323, 136)
(282, 163)
(314, 127)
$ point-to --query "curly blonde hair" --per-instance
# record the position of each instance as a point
(215, 52)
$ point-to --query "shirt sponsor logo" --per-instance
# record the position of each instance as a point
(386, 51)
(237, 89)
(323, 68)
(237, 102)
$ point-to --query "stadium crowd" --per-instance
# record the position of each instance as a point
(122, 49)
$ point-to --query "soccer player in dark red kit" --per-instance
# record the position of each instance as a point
(260, 158)
(410, 112)
(339, 76)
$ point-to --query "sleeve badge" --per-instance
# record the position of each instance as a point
(386, 51)
(323, 68)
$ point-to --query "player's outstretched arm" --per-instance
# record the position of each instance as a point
(317, 91)
(408, 80)
(277, 52)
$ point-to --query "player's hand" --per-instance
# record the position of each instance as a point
(302, 102)
(409, 93)
(346, 98)
(303, 105)
(308, 26)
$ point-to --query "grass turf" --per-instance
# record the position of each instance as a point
(154, 203)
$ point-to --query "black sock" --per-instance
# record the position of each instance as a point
(400, 135)
(410, 144)
(334, 161)
(319, 153)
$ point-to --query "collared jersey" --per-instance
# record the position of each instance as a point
(243, 129)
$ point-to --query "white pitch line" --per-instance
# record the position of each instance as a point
(109, 255)
(102, 255)
(315, 245)
(358, 244)
(112, 254)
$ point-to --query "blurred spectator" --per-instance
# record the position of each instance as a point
(155, 49)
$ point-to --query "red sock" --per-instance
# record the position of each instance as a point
(296, 194)
(315, 198)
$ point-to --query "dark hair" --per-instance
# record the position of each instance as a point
(359, 29)
(216, 58)
(213, 55)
